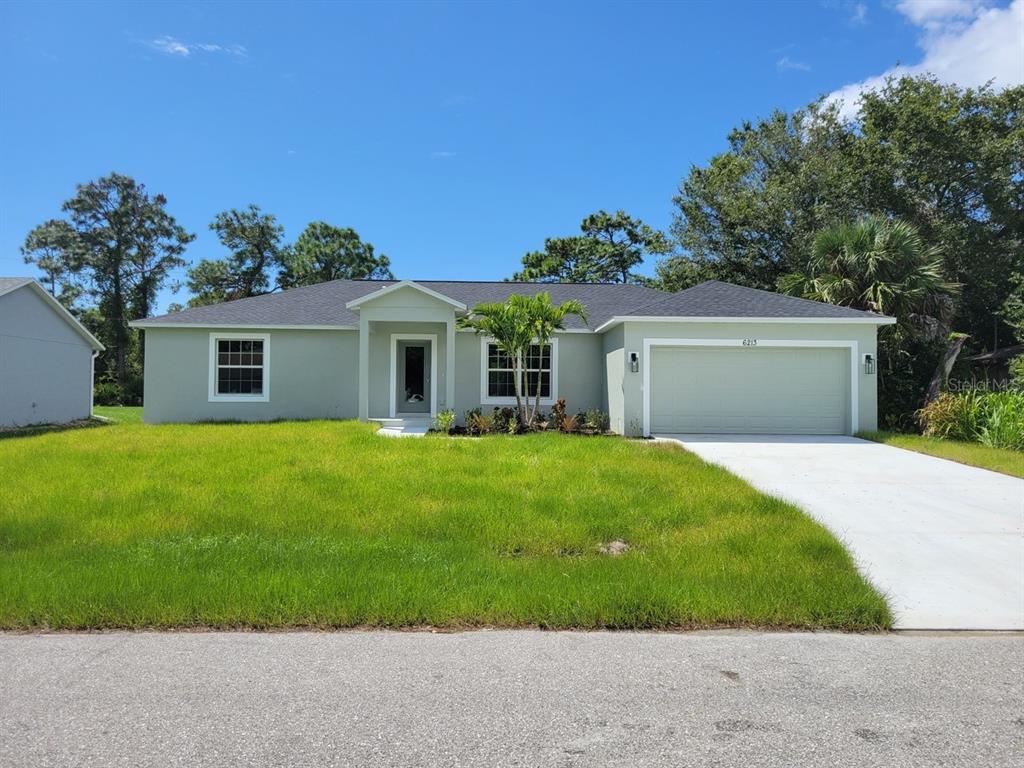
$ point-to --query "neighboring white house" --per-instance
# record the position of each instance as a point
(46, 358)
(712, 358)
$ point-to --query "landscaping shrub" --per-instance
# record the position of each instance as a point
(505, 420)
(568, 424)
(596, 420)
(444, 421)
(995, 419)
(558, 412)
(481, 423)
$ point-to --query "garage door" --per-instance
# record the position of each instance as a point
(763, 390)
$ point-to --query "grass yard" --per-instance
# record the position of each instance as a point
(997, 459)
(119, 414)
(324, 524)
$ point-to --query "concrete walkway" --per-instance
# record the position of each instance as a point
(943, 541)
(520, 698)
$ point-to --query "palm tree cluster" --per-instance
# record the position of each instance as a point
(880, 265)
(517, 324)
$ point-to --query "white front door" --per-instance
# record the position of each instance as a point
(413, 374)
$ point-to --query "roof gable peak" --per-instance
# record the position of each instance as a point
(388, 289)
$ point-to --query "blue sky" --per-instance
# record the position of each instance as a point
(453, 136)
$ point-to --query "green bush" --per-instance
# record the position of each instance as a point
(1004, 422)
(1017, 372)
(506, 420)
(995, 419)
(444, 421)
(596, 420)
(903, 376)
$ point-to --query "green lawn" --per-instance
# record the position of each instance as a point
(119, 414)
(325, 524)
(997, 459)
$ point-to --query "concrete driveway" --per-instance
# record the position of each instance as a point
(943, 541)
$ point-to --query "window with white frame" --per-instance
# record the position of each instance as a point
(239, 367)
(499, 373)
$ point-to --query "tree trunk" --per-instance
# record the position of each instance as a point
(536, 404)
(518, 382)
(944, 367)
(120, 336)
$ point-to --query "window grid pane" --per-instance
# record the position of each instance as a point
(501, 373)
(239, 366)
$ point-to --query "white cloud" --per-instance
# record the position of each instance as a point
(787, 64)
(859, 14)
(174, 47)
(964, 42)
(925, 12)
(443, 155)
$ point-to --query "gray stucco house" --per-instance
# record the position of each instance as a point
(46, 358)
(712, 358)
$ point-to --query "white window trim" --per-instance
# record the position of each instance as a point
(850, 345)
(487, 400)
(217, 398)
(397, 337)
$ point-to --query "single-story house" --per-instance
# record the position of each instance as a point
(712, 358)
(46, 358)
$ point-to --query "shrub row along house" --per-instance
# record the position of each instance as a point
(712, 358)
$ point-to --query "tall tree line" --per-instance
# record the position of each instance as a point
(918, 199)
(947, 160)
(116, 247)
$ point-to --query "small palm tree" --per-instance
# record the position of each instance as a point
(883, 266)
(510, 327)
(517, 324)
(546, 318)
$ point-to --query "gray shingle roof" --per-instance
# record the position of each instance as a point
(10, 283)
(718, 299)
(324, 304)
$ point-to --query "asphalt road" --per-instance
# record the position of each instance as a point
(511, 698)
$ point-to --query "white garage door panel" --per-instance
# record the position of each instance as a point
(764, 390)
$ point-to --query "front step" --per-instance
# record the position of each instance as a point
(403, 427)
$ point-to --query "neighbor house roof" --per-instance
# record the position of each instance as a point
(997, 355)
(10, 284)
(324, 305)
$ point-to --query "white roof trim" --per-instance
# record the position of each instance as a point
(563, 330)
(229, 326)
(60, 309)
(879, 320)
(356, 303)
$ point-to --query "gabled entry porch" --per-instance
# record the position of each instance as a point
(406, 352)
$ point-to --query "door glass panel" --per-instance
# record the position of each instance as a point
(415, 378)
